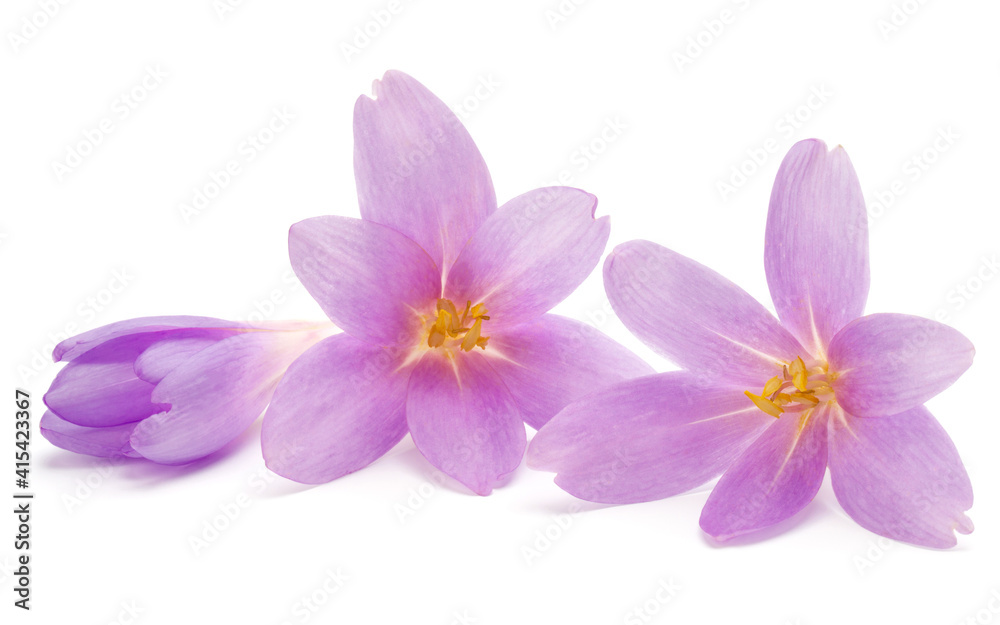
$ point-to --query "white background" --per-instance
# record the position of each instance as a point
(105, 536)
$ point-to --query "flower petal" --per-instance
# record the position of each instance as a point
(340, 407)
(463, 419)
(900, 477)
(553, 361)
(216, 394)
(529, 255)
(647, 438)
(81, 343)
(775, 478)
(109, 442)
(99, 388)
(888, 363)
(162, 357)
(816, 245)
(695, 317)
(417, 169)
(367, 278)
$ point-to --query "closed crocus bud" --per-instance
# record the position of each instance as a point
(168, 389)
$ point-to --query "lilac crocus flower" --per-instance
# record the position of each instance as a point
(442, 298)
(168, 389)
(769, 404)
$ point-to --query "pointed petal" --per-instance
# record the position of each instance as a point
(216, 394)
(553, 361)
(463, 419)
(530, 255)
(695, 317)
(775, 478)
(900, 477)
(340, 407)
(889, 363)
(367, 278)
(81, 343)
(417, 169)
(646, 439)
(816, 246)
(109, 442)
(99, 388)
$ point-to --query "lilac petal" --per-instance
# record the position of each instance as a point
(417, 169)
(816, 245)
(901, 477)
(99, 388)
(695, 317)
(463, 419)
(74, 346)
(368, 279)
(340, 407)
(647, 438)
(216, 394)
(888, 363)
(529, 255)
(164, 356)
(107, 442)
(553, 361)
(775, 478)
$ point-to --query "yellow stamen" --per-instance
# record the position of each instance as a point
(800, 387)
(800, 377)
(454, 328)
(765, 404)
(472, 336)
(806, 397)
(772, 385)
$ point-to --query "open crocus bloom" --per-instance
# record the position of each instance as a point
(442, 298)
(168, 389)
(769, 404)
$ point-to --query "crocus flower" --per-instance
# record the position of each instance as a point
(442, 298)
(769, 404)
(168, 389)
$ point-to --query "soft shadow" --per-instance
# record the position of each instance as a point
(149, 473)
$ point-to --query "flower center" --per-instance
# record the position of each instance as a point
(798, 388)
(463, 329)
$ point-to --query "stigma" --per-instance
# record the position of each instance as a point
(463, 329)
(797, 388)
